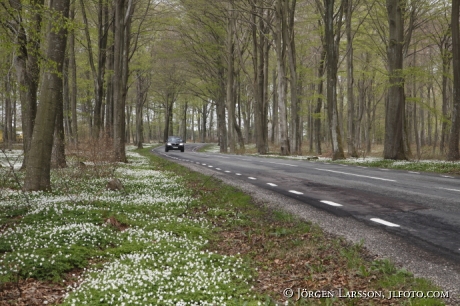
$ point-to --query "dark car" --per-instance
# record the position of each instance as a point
(174, 143)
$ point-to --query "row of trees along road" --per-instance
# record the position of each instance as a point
(300, 74)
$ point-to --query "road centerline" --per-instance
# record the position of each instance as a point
(358, 175)
(450, 189)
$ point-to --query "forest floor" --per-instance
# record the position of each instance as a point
(170, 236)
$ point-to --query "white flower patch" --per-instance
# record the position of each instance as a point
(178, 277)
(136, 234)
(361, 160)
(435, 162)
(70, 224)
(39, 235)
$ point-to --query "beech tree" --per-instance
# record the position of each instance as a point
(454, 153)
(395, 106)
(122, 36)
(27, 38)
(39, 161)
(332, 39)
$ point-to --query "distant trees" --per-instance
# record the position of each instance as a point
(276, 73)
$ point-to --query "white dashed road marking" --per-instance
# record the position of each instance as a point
(227, 171)
(447, 176)
(238, 173)
(458, 190)
(252, 178)
(371, 177)
(413, 172)
(282, 164)
(295, 192)
(378, 220)
(331, 203)
(271, 184)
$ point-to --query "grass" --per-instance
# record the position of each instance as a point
(172, 237)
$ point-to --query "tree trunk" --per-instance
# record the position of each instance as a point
(73, 82)
(8, 130)
(184, 122)
(319, 102)
(395, 108)
(142, 88)
(350, 82)
(281, 67)
(39, 161)
(332, 41)
(454, 153)
(260, 46)
(123, 17)
(58, 159)
(230, 97)
(27, 68)
(288, 38)
(275, 124)
(168, 109)
(220, 111)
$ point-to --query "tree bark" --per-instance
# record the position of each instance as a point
(395, 107)
(39, 161)
(350, 82)
(281, 68)
(220, 111)
(230, 97)
(73, 82)
(141, 98)
(58, 159)
(332, 41)
(319, 102)
(8, 129)
(288, 38)
(123, 17)
(453, 153)
(275, 124)
(27, 67)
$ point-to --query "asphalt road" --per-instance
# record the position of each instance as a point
(421, 209)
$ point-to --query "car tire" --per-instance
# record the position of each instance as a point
(182, 150)
(166, 150)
